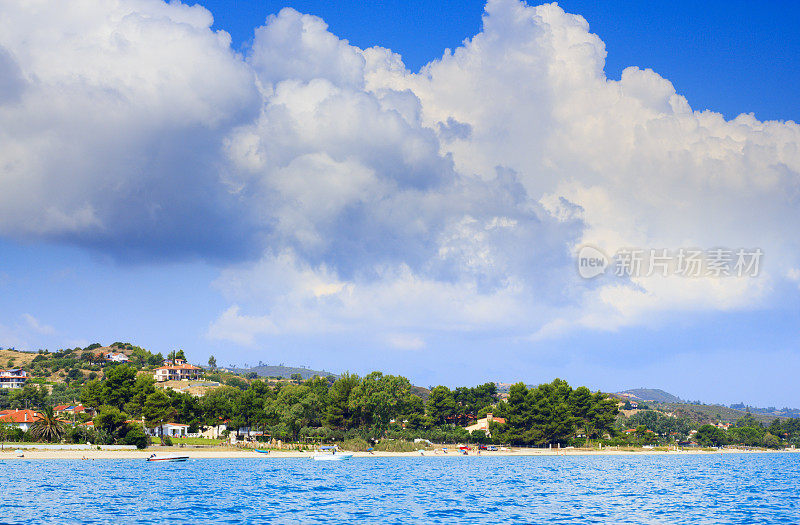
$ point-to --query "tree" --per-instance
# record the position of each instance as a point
(212, 362)
(441, 405)
(379, 398)
(158, 410)
(218, 404)
(750, 436)
(29, 396)
(155, 359)
(415, 413)
(771, 441)
(584, 408)
(137, 436)
(748, 421)
(709, 435)
(4, 431)
(337, 412)
(110, 420)
(180, 355)
(540, 415)
(118, 388)
(142, 387)
(92, 394)
(48, 427)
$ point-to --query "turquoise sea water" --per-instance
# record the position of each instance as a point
(729, 488)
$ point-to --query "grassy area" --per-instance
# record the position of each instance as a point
(17, 359)
(400, 446)
(193, 441)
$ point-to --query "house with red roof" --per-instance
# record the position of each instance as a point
(72, 410)
(22, 419)
(485, 423)
(115, 357)
(178, 372)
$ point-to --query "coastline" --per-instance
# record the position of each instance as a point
(221, 453)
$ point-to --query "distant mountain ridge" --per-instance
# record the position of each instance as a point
(769, 411)
(282, 371)
(652, 394)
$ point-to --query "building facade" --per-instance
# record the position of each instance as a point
(21, 419)
(115, 357)
(179, 372)
(14, 378)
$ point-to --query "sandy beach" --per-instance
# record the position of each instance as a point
(9, 453)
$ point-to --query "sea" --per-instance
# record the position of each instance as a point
(714, 488)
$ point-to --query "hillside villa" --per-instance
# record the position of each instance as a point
(115, 357)
(14, 378)
(177, 370)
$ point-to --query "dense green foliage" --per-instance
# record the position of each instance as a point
(552, 413)
(348, 409)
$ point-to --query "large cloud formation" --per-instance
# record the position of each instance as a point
(342, 191)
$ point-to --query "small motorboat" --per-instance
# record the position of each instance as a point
(170, 458)
(261, 451)
(332, 455)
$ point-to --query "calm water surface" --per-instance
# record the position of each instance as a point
(730, 488)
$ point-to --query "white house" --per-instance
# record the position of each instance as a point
(179, 372)
(170, 429)
(14, 378)
(214, 432)
(22, 419)
(115, 357)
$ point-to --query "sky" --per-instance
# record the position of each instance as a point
(406, 186)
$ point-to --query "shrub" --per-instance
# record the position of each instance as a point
(356, 445)
(81, 434)
(393, 445)
(166, 441)
(137, 436)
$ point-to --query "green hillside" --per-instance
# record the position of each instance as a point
(653, 394)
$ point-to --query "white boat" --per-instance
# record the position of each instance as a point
(332, 455)
(171, 457)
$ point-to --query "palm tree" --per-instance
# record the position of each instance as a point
(48, 427)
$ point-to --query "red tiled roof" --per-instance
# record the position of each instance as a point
(20, 416)
(179, 367)
(500, 420)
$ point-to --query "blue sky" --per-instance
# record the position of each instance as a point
(732, 57)
(341, 213)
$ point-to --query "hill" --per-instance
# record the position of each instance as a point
(652, 394)
(281, 371)
(769, 411)
(710, 413)
(10, 358)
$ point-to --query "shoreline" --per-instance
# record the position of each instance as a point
(9, 453)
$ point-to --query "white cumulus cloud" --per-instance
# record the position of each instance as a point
(342, 192)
